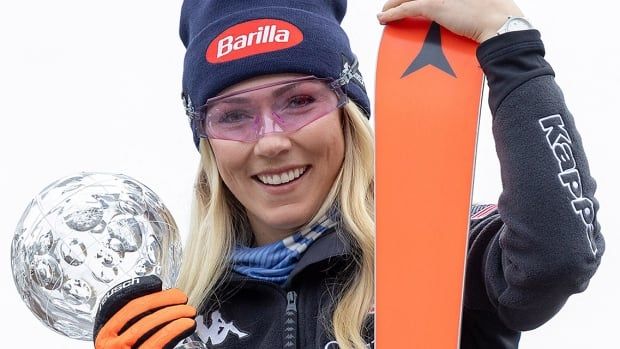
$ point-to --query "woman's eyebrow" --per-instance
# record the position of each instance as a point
(235, 100)
(282, 90)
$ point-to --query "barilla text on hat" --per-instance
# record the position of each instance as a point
(252, 38)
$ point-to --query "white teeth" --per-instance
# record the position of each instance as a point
(285, 178)
(276, 179)
(282, 177)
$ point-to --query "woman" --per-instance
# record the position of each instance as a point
(281, 249)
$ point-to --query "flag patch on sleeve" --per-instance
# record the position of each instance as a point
(482, 211)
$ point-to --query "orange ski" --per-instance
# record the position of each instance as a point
(428, 94)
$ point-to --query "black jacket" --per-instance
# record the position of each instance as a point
(251, 313)
(524, 259)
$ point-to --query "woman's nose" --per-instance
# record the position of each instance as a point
(272, 144)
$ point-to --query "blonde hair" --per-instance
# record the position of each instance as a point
(217, 217)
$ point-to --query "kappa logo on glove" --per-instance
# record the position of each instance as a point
(252, 38)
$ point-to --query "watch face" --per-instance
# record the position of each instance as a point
(518, 23)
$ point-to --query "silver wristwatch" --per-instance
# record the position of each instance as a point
(515, 24)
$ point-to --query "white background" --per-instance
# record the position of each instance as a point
(95, 86)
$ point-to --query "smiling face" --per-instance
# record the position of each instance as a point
(281, 179)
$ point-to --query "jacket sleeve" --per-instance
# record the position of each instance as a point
(544, 242)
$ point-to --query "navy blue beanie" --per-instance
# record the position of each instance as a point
(229, 41)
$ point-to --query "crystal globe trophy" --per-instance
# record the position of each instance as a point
(81, 236)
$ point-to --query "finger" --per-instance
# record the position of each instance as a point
(164, 316)
(170, 334)
(139, 306)
(105, 342)
(121, 294)
(407, 9)
(393, 3)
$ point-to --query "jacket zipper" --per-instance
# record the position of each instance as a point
(290, 322)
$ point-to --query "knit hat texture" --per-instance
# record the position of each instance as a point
(229, 41)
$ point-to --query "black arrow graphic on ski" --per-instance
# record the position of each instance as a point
(431, 53)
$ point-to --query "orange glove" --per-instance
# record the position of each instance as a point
(138, 314)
